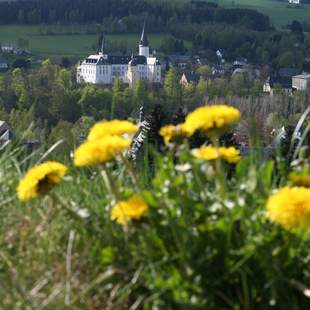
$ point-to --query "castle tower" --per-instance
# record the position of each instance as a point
(144, 49)
(102, 47)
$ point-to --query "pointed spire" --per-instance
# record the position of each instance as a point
(144, 41)
(102, 43)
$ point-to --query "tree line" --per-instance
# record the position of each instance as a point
(159, 13)
(59, 109)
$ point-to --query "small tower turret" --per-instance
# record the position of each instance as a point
(102, 47)
(132, 73)
(144, 49)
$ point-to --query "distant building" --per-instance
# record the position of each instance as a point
(218, 70)
(5, 132)
(301, 82)
(240, 62)
(3, 65)
(183, 62)
(7, 48)
(294, 1)
(189, 78)
(278, 83)
(104, 69)
(12, 49)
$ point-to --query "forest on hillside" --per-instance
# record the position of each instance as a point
(159, 13)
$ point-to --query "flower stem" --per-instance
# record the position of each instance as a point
(132, 173)
(220, 175)
(110, 184)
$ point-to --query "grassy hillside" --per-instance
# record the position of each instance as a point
(279, 11)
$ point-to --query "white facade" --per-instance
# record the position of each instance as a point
(104, 69)
(301, 82)
(3, 65)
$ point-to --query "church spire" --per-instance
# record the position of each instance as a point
(101, 44)
(144, 41)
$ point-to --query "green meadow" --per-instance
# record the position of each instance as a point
(56, 41)
(280, 12)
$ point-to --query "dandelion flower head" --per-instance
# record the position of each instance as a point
(111, 128)
(132, 209)
(290, 207)
(170, 132)
(210, 119)
(41, 178)
(100, 151)
(229, 154)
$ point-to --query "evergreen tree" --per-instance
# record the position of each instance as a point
(172, 87)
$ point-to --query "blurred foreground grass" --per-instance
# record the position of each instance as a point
(197, 248)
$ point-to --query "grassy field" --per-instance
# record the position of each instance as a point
(279, 12)
(56, 45)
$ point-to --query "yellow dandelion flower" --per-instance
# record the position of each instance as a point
(211, 119)
(229, 154)
(170, 132)
(299, 179)
(290, 207)
(39, 179)
(111, 128)
(100, 151)
(132, 209)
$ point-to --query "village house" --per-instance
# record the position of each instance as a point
(297, 2)
(218, 71)
(12, 49)
(276, 83)
(189, 78)
(7, 48)
(183, 62)
(301, 82)
(240, 62)
(3, 65)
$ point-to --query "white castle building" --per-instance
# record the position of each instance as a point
(104, 69)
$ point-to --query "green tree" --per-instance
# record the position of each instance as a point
(22, 121)
(65, 79)
(205, 71)
(117, 90)
(140, 93)
(287, 59)
(62, 132)
(172, 86)
(95, 101)
(20, 88)
(81, 128)
(201, 88)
